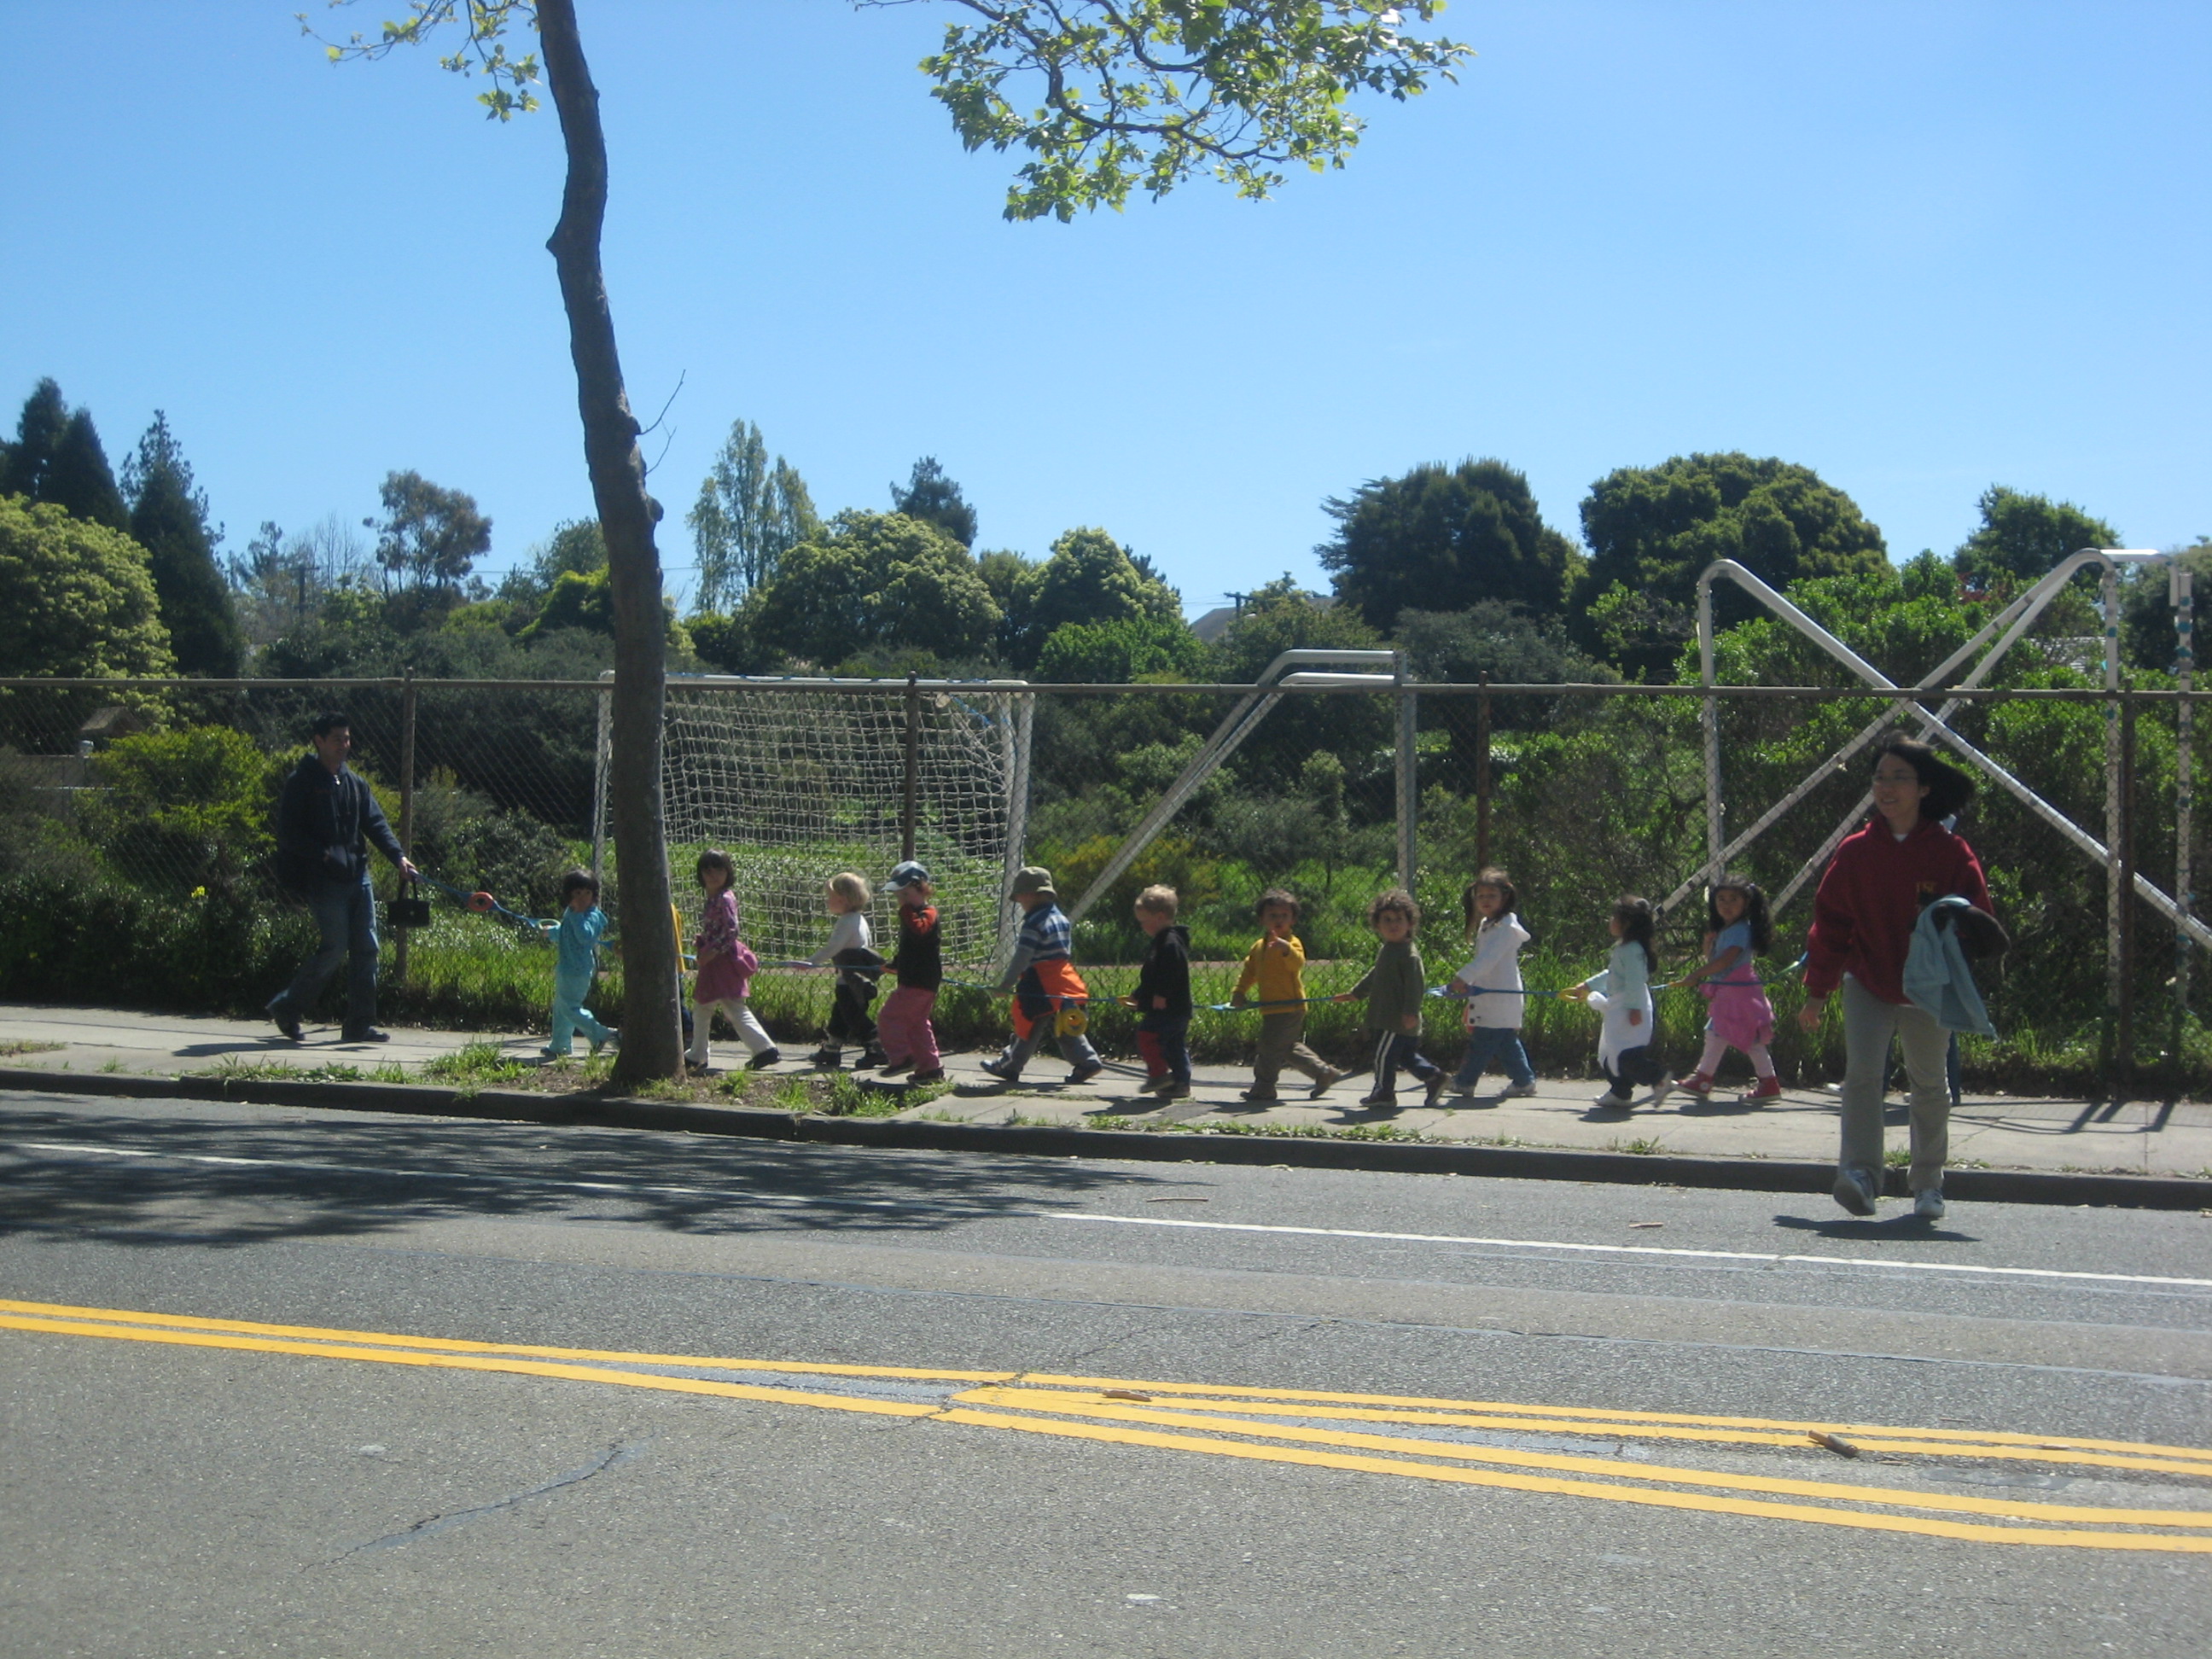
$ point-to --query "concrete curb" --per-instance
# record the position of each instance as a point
(1516, 1163)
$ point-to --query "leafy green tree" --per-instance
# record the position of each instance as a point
(871, 579)
(1118, 652)
(81, 601)
(2023, 537)
(429, 538)
(1356, 729)
(576, 546)
(284, 578)
(1090, 578)
(1512, 647)
(177, 810)
(1279, 618)
(748, 516)
(1651, 530)
(1012, 579)
(1103, 97)
(725, 643)
(169, 519)
(1444, 539)
(2147, 611)
(934, 498)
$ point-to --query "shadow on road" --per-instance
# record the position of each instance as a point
(157, 1181)
(1903, 1225)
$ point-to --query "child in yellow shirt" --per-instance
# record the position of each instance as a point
(1275, 967)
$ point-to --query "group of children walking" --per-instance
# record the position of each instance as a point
(1049, 999)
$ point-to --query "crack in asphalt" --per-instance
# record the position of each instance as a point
(614, 1457)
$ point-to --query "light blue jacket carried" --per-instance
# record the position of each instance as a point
(1936, 977)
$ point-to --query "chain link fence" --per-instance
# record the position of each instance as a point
(135, 842)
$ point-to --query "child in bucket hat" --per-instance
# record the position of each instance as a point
(1049, 996)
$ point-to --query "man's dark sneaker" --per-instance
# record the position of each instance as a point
(367, 1034)
(936, 1076)
(999, 1069)
(1259, 1096)
(766, 1057)
(871, 1059)
(1085, 1073)
(1375, 1103)
(1176, 1092)
(829, 1058)
(893, 1068)
(287, 1021)
(1435, 1088)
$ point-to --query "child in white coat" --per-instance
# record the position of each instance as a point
(1491, 983)
(1623, 994)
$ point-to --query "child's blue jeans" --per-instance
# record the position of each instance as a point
(1499, 1043)
(570, 1016)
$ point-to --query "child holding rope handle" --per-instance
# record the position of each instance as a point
(1741, 1017)
(1490, 985)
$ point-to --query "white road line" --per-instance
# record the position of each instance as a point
(1622, 1249)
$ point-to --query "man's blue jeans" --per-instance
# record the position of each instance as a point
(345, 915)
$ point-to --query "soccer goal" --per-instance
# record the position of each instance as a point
(798, 779)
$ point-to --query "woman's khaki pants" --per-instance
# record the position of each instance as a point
(1868, 1024)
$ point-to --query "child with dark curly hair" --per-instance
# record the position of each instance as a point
(1394, 987)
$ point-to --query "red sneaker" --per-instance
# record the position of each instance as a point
(1769, 1088)
(1697, 1082)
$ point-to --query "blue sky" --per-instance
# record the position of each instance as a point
(1922, 248)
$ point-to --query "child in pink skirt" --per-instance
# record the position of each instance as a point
(1741, 1017)
(726, 965)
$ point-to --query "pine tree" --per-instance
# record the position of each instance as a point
(58, 457)
(169, 519)
(25, 463)
(929, 496)
(81, 481)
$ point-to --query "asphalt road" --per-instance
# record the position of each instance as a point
(1553, 1419)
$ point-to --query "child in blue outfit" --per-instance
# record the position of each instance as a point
(577, 933)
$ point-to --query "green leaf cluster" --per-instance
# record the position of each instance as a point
(1445, 539)
(81, 599)
(1651, 530)
(871, 579)
(1108, 98)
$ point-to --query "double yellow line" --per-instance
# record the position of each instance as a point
(1238, 1422)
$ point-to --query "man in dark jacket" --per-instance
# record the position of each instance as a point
(325, 818)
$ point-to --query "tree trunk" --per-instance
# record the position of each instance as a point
(653, 1044)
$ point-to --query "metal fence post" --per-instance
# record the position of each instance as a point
(2123, 1071)
(1482, 776)
(1409, 776)
(602, 745)
(907, 811)
(2184, 595)
(407, 696)
(2116, 893)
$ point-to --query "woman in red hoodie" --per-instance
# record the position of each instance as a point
(1869, 903)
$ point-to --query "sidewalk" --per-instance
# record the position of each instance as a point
(2005, 1131)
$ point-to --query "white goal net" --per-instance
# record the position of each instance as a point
(799, 780)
